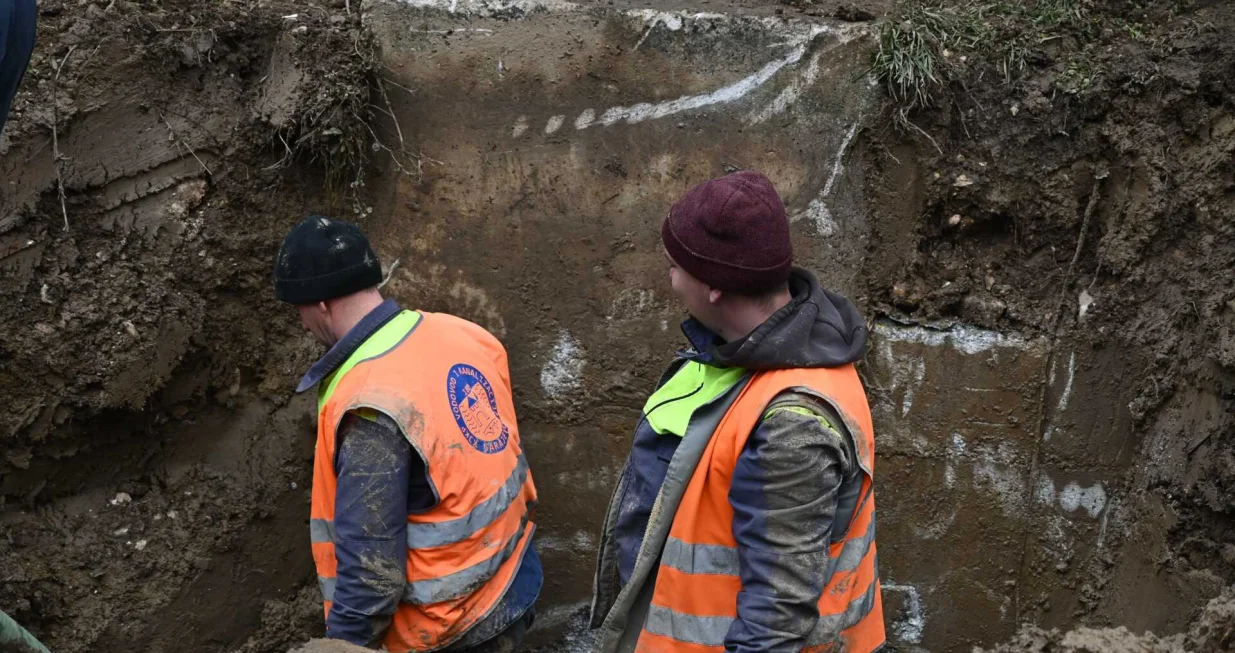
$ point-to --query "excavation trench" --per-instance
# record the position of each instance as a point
(155, 478)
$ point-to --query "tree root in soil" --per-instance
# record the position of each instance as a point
(55, 135)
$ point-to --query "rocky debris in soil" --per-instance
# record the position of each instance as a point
(328, 646)
(578, 635)
(1085, 640)
(1212, 632)
(91, 570)
(286, 623)
(1215, 630)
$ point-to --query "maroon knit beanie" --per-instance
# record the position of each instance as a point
(731, 233)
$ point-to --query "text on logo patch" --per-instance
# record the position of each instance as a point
(475, 409)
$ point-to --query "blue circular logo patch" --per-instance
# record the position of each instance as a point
(475, 409)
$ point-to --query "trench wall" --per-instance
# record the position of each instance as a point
(144, 357)
(555, 136)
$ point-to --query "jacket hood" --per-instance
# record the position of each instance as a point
(817, 328)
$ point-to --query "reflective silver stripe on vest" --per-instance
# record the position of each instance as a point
(321, 530)
(326, 585)
(436, 590)
(700, 558)
(829, 627)
(427, 536)
(711, 631)
(854, 551)
(723, 560)
(465, 581)
(707, 631)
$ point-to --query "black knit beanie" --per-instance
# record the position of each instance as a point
(323, 259)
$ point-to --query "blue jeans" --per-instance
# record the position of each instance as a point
(17, 32)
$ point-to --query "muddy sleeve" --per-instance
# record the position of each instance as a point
(784, 496)
(18, 23)
(371, 508)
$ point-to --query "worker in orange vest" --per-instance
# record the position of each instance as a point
(422, 498)
(744, 519)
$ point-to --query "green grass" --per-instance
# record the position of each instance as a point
(909, 61)
(927, 43)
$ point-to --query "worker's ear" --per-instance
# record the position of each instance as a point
(714, 296)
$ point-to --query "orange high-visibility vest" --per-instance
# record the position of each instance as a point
(445, 382)
(695, 597)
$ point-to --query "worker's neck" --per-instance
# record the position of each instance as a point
(749, 314)
(349, 311)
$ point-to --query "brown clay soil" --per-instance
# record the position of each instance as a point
(140, 340)
(1099, 176)
(1213, 630)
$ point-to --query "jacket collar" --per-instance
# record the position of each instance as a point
(349, 343)
(701, 340)
(817, 328)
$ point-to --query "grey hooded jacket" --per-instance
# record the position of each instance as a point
(796, 478)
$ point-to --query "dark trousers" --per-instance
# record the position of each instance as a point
(17, 32)
(509, 640)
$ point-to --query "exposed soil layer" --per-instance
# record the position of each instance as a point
(153, 469)
(1086, 197)
(1214, 630)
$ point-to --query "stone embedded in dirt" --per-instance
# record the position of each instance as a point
(1084, 302)
(963, 181)
(121, 498)
(982, 309)
(1215, 629)
(20, 457)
